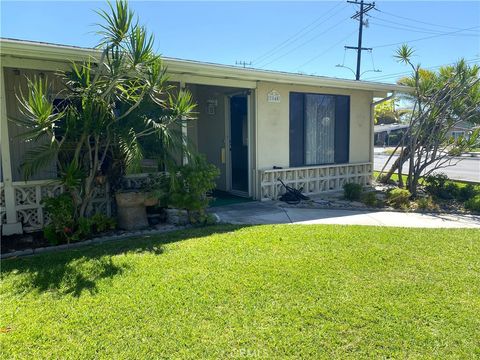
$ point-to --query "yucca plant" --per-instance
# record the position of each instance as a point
(110, 105)
(441, 100)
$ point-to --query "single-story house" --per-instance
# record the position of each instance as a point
(461, 129)
(388, 135)
(256, 126)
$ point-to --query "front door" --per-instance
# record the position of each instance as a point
(239, 143)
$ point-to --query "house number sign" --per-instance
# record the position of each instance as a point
(273, 96)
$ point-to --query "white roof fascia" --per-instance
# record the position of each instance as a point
(45, 51)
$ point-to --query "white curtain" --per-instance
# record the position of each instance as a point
(319, 129)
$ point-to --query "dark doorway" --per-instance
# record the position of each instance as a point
(239, 142)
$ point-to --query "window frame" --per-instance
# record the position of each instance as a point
(347, 129)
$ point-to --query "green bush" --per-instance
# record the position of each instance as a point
(436, 185)
(51, 235)
(439, 186)
(399, 198)
(87, 227)
(370, 199)
(190, 184)
(473, 204)
(467, 192)
(101, 223)
(426, 203)
(61, 212)
(352, 191)
(63, 226)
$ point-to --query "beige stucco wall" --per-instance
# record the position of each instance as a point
(272, 120)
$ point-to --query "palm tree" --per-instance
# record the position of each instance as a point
(110, 105)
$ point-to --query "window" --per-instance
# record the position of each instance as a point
(319, 129)
(458, 134)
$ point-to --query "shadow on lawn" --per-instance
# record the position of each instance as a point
(77, 270)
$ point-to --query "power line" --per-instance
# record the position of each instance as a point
(425, 38)
(299, 34)
(406, 27)
(417, 21)
(388, 76)
(304, 43)
(327, 50)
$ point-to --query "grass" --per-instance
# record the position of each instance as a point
(275, 291)
(457, 182)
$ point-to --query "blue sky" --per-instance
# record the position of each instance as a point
(306, 37)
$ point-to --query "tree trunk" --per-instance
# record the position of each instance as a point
(396, 166)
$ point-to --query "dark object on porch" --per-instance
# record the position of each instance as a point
(292, 196)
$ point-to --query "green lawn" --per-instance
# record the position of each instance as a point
(460, 183)
(257, 292)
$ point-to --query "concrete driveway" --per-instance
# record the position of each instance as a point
(254, 213)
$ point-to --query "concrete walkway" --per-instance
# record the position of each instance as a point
(271, 213)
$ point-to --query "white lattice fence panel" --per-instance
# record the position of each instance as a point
(313, 180)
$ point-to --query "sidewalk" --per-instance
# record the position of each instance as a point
(271, 213)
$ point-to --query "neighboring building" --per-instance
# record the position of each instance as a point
(462, 129)
(256, 126)
(388, 135)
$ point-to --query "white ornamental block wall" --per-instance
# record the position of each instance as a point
(29, 198)
(314, 179)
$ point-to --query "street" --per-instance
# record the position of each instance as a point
(468, 169)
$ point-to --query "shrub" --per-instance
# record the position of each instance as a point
(467, 192)
(399, 198)
(451, 191)
(63, 228)
(426, 203)
(436, 185)
(101, 223)
(60, 210)
(440, 187)
(190, 184)
(51, 235)
(473, 204)
(370, 199)
(352, 191)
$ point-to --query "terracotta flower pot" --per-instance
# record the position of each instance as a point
(131, 211)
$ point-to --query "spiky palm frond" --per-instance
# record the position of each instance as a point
(118, 24)
(38, 111)
(140, 47)
(130, 150)
(156, 78)
(404, 54)
(39, 158)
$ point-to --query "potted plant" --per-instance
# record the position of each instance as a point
(187, 197)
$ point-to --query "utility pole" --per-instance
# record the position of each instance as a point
(243, 63)
(364, 8)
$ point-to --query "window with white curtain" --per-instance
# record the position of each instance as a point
(319, 129)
